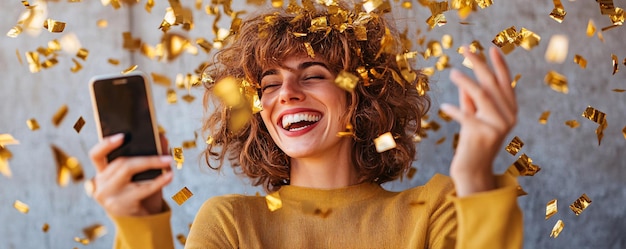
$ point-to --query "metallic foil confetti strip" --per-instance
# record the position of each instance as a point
(21, 207)
(556, 81)
(59, 115)
(177, 153)
(551, 208)
(580, 204)
(514, 146)
(273, 201)
(384, 142)
(32, 124)
(182, 196)
(79, 124)
(557, 49)
(558, 13)
(523, 167)
(556, 230)
(581, 61)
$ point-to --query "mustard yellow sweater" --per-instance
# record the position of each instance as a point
(360, 216)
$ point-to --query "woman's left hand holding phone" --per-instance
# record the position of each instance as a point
(114, 190)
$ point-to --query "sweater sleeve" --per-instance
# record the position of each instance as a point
(152, 231)
(490, 219)
(214, 226)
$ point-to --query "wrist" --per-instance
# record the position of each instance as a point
(471, 182)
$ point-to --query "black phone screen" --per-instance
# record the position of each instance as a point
(123, 107)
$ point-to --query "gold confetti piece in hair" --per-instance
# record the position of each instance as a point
(67, 167)
(445, 117)
(615, 63)
(227, 90)
(32, 58)
(102, 23)
(79, 124)
(33, 125)
(514, 146)
(129, 69)
(59, 115)
(114, 62)
(523, 166)
(83, 241)
(556, 230)
(309, 49)
(45, 227)
(54, 26)
(558, 13)
(77, 66)
(581, 61)
(14, 32)
(551, 208)
(572, 123)
(94, 231)
(182, 196)
(346, 81)
(557, 49)
(515, 80)
(181, 239)
(277, 3)
(446, 41)
(384, 142)
(273, 201)
(20, 206)
(171, 96)
(556, 81)
(543, 119)
(580, 204)
(177, 153)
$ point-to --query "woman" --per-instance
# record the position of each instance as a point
(312, 147)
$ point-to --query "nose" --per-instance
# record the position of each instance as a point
(291, 91)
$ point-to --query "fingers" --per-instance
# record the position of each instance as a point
(504, 78)
(122, 169)
(473, 96)
(143, 190)
(489, 81)
(98, 154)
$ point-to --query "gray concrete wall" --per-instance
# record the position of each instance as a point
(572, 161)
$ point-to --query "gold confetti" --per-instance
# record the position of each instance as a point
(556, 230)
(33, 125)
(90, 187)
(177, 152)
(624, 132)
(32, 58)
(543, 119)
(606, 7)
(114, 62)
(82, 54)
(309, 49)
(572, 123)
(182, 196)
(25, 3)
(181, 239)
(529, 39)
(444, 116)
(446, 41)
(557, 49)
(19, 57)
(188, 98)
(59, 115)
(558, 13)
(523, 167)
(161, 79)
(556, 81)
(440, 141)
(598, 117)
(580, 204)
(79, 124)
(54, 26)
(442, 63)
(83, 241)
(171, 96)
(189, 144)
(20, 206)
(411, 172)
(77, 66)
(210, 140)
(618, 17)
(514, 146)
(551, 208)
(346, 81)
(7, 139)
(384, 142)
(14, 32)
(129, 69)
(149, 5)
(619, 90)
(67, 167)
(520, 191)
(5, 155)
(94, 231)
(582, 62)
(437, 17)
(102, 23)
(273, 201)
(515, 80)
(615, 64)
(45, 227)
(591, 28)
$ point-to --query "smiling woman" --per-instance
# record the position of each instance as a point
(312, 146)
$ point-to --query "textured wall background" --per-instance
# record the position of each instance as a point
(572, 161)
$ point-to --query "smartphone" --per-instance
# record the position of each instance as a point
(123, 104)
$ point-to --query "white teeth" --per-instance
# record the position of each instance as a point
(289, 119)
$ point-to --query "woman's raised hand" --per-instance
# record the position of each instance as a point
(487, 112)
(114, 190)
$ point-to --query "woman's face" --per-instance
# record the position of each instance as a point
(302, 107)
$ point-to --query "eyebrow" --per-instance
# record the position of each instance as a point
(302, 66)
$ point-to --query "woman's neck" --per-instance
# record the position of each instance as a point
(333, 169)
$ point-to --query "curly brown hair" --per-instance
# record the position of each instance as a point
(386, 98)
